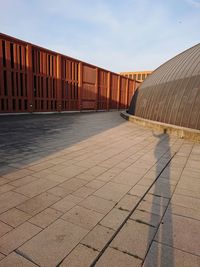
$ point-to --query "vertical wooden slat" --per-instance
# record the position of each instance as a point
(23, 58)
(118, 91)
(96, 88)
(108, 91)
(1, 72)
(8, 75)
(126, 93)
(30, 77)
(80, 84)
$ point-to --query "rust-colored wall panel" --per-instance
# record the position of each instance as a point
(123, 94)
(89, 87)
(131, 89)
(35, 79)
(114, 91)
(13, 76)
(89, 75)
(102, 89)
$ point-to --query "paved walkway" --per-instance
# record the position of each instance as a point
(94, 190)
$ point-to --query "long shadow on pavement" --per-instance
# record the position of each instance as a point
(27, 138)
(156, 256)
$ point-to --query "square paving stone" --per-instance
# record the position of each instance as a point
(73, 184)
(146, 181)
(36, 187)
(40, 166)
(161, 255)
(97, 204)
(171, 173)
(9, 200)
(46, 217)
(4, 228)
(83, 217)
(56, 178)
(189, 183)
(17, 237)
(152, 208)
(106, 176)
(5, 188)
(138, 168)
(159, 200)
(15, 260)
(53, 244)
(98, 237)
(146, 217)
(138, 190)
(96, 171)
(190, 173)
(187, 192)
(193, 164)
(23, 181)
(116, 258)
(66, 203)
(3, 181)
(41, 174)
(185, 201)
(168, 181)
(86, 177)
(114, 218)
(180, 232)
(1, 257)
(71, 171)
(95, 184)
(83, 192)
(38, 203)
(162, 189)
(193, 213)
(128, 202)
(85, 163)
(81, 256)
(114, 170)
(134, 238)
(127, 178)
(14, 217)
(60, 191)
(17, 174)
(112, 191)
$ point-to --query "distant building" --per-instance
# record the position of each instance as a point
(137, 75)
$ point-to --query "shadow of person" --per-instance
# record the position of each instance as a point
(160, 193)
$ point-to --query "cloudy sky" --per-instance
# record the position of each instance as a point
(119, 35)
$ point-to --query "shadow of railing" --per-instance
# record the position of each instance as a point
(25, 139)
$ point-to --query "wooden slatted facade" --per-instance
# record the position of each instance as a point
(35, 79)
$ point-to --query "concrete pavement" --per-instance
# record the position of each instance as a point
(96, 190)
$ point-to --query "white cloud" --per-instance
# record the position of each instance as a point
(194, 3)
(114, 34)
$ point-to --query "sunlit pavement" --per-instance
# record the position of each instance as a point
(95, 190)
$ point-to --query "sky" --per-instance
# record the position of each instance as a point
(118, 35)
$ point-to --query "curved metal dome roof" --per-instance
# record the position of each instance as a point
(171, 94)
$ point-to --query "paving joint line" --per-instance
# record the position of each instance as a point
(167, 245)
(129, 215)
(25, 256)
(166, 206)
(115, 204)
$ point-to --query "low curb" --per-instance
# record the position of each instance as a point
(181, 132)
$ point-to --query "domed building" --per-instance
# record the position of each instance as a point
(171, 94)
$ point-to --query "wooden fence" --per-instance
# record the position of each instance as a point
(35, 79)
